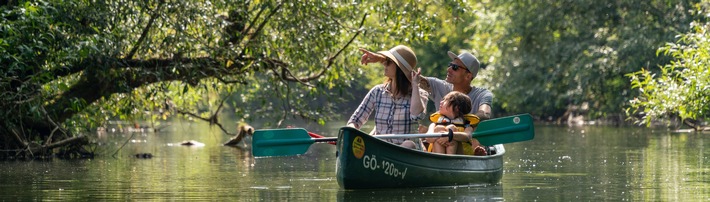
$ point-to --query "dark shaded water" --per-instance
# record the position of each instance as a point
(561, 164)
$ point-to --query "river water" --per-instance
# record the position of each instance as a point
(560, 164)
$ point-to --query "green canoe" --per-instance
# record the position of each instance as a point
(369, 162)
(366, 162)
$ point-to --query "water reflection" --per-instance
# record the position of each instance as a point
(472, 193)
(606, 163)
(561, 164)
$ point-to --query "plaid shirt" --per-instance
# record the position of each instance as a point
(392, 116)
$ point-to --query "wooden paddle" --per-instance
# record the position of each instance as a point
(294, 141)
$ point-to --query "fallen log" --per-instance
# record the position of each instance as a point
(81, 139)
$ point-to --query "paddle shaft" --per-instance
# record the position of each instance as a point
(335, 139)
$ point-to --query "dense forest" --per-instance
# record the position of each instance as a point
(68, 67)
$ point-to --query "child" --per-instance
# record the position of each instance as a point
(453, 114)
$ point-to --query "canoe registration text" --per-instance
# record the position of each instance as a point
(387, 167)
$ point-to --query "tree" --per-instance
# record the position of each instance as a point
(682, 88)
(554, 54)
(71, 65)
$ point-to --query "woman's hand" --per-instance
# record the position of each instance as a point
(415, 76)
(369, 57)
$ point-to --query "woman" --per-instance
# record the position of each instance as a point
(397, 108)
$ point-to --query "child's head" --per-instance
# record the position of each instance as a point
(455, 104)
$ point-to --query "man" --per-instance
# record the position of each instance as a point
(460, 72)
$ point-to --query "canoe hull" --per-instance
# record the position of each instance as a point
(365, 162)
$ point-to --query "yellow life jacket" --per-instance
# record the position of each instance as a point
(461, 124)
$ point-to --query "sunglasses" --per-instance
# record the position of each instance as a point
(388, 62)
(456, 67)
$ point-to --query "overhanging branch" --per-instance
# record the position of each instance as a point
(145, 30)
(212, 120)
(261, 25)
(287, 75)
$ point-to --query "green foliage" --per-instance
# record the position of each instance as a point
(459, 26)
(76, 64)
(682, 88)
(559, 53)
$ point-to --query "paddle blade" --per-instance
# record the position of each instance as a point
(280, 142)
(505, 130)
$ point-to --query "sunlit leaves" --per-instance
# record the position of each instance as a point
(683, 87)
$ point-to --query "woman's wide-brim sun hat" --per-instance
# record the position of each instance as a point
(404, 57)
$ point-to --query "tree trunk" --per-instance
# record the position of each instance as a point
(696, 125)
